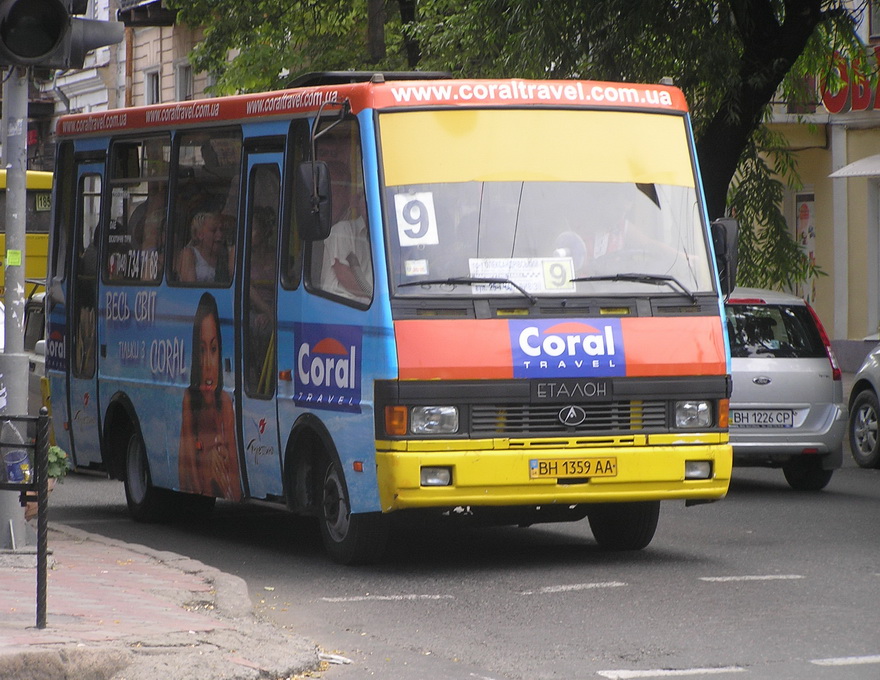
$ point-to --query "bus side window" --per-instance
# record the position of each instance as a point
(206, 207)
(138, 208)
(341, 266)
(86, 297)
(261, 298)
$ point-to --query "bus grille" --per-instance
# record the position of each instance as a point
(601, 419)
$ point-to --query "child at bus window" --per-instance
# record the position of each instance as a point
(346, 268)
(208, 458)
(205, 258)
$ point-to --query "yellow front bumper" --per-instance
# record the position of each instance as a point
(496, 471)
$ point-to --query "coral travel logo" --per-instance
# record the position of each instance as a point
(328, 366)
(583, 348)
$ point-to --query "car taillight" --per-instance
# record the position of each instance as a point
(835, 369)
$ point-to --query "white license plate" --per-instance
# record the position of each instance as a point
(762, 418)
(560, 468)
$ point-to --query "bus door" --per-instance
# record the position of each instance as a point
(257, 409)
(82, 322)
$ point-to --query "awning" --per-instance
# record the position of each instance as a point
(864, 167)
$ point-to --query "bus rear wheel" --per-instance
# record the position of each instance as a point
(145, 502)
(624, 526)
(349, 538)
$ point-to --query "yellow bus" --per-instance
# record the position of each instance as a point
(37, 212)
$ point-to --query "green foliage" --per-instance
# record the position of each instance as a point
(58, 462)
(258, 45)
(768, 255)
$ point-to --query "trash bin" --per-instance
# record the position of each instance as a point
(17, 466)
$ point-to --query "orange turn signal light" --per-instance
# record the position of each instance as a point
(396, 420)
(724, 413)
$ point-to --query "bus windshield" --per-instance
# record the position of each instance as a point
(546, 202)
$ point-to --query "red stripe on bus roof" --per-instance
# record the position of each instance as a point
(394, 94)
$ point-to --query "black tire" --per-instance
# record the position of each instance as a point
(624, 526)
(145, 502)
(806, 474)
(863, 440)
(358, 538)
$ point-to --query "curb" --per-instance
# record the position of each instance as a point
(240, 647)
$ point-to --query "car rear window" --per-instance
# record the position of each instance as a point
(783, 331)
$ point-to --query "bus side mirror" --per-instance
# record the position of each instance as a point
(313, 206)
(725, 235)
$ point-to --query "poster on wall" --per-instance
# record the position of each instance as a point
(805, 233)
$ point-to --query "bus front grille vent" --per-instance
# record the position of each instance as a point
(605, 418)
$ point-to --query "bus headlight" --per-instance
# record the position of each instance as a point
(434, 420)
(693, 414)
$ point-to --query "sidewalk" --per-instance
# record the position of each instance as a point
(118, 611)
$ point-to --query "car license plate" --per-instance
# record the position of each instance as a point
(762, 418)
(557, 468)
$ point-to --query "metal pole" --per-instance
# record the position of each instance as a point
(13, 361)
(41, 462)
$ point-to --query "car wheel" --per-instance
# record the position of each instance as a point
(145, 502)
(806, 474)
(349, 538)
(624, 526)
(863, 440)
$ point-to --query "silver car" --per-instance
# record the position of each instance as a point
(864, 409)
(787, 407)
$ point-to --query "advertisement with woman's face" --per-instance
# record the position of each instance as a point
(208, 457)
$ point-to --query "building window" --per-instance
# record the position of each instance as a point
(152, 91)
(874, 19)
(183, 78)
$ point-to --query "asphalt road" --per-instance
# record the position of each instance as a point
(766, 584)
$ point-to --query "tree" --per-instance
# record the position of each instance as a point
(256, 45)
(729, 56)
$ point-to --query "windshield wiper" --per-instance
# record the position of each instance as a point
(653, 279)
(467, 280)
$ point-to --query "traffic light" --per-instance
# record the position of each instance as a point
(43, 33)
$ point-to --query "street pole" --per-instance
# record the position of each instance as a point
(14, 531)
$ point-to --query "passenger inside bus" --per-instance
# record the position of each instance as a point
(206, 258)
(147, 226)
(341, 265)
(346, 268)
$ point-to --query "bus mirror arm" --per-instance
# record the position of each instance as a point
(312, 194)
(725, 236)
(313, 207)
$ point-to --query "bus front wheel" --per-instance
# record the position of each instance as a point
(624, 526)
(349, 538)
(145, 502)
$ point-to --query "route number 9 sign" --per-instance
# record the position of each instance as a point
(416, 220)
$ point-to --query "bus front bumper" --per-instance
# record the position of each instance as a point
(499, 475)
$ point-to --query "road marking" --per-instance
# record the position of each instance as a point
(847, 660)
(765, 577)
(669, 673)
(575, 586)
(386, 598)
